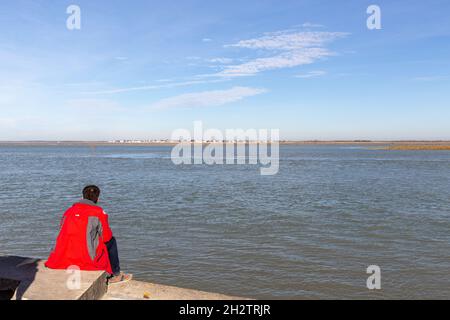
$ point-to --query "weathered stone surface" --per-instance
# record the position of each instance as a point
(29, 279)
(136, 290)
(36, 282)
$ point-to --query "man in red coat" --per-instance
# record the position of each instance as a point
(85, 240)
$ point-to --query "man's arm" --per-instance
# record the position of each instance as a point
(107, 232)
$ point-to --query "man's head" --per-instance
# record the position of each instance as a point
(91, 193)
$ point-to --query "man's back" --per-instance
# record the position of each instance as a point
(81, 240)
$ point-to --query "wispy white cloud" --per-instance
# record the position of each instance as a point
(288, 48)
(83, 84)
(312, 25)
(206, 40)
(282, 49)
(221, 60)
(430, 78)
(164, 80)
(7, 123)
(164, 84)
(311, 74)
(93, 105)
(207, 98)
(283, 60)
(290, 40)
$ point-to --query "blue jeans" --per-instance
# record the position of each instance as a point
(113, 253)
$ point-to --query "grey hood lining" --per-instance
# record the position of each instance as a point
(88, 202)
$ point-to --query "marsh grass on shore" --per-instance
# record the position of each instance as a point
(418, 147)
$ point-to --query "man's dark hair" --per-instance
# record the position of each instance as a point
(91, 193)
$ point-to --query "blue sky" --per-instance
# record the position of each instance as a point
(141, 69)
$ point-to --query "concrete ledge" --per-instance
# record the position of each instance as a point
(33, 281)
(137, 290)
(28, 279)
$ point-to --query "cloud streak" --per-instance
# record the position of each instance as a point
(311, 74)
(154, 87)
(430, 78)
(212, 98)
(290, 40)
(287, 48)
(221, 60)
(284, 60)
(280, 49)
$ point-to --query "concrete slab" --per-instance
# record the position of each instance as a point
(28, 279)
(136, 290)
(31, 280)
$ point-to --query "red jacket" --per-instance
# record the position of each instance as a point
(81, 240)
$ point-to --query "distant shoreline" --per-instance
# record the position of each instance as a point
(390, 144)
(418, 147)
